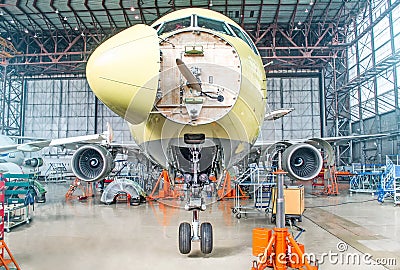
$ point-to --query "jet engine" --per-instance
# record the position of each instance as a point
(92, 162)
(302, 161)
(33, 162)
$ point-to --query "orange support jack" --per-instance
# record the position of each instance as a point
(166, 192)
(332, 187)
(86, 191)
(279, 250)
(226, 191)
(327, 179)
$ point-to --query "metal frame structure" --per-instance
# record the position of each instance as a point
(12, 100)
(55, 38)
(371, 88)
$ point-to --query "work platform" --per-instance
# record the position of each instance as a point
(258, 184)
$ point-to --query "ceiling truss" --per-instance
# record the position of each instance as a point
(56, 37)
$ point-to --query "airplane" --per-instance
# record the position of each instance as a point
(192, 87)
(15, 162)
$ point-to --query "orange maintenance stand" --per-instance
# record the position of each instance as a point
(277, 248)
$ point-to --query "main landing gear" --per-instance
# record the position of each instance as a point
(195, 232)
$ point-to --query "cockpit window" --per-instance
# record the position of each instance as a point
(244, 37)
(175, 25)
(156, 26)
(213, 25)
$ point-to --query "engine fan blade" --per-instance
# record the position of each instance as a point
(191, 79)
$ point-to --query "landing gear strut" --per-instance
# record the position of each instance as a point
(195, 232)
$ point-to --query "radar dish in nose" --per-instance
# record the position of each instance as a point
(191, 79)
(123, 72)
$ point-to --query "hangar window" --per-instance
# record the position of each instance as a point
(243, 36)
(175, 25)
(213, 25)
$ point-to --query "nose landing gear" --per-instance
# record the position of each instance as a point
(187, 235)
(195, 232)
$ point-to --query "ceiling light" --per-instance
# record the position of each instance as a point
(136, 17)
(35, 36)
(132, 9)
(299, 23)
(311, 3)
(26, 31)
(8, 38)
(56, 11)
(65, 18)
(76, 28)
(306, 11)
(296, 28)
(82, 34)
(1, 13)
(211, 3)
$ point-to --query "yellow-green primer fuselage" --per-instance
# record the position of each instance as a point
(136, 75)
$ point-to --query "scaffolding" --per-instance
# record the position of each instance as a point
(56, 172)
(259, 183)
(366, 178)
(389, 186)
(12, 90)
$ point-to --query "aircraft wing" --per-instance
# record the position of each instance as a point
(8, 148)
(341, 139)
(24, 147)
(76, 142)
(69, 143)
(338, 139)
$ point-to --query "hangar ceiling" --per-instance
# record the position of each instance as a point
(57, 36)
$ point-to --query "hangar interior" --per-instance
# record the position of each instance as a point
(335, 62)
(344, 53)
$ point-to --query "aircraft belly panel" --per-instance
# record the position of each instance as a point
(161, 152)
(235, 133)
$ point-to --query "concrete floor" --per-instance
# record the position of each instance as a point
(89, 235)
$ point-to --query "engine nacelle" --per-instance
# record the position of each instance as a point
(33, 162)
(302, 161)
(92, 162)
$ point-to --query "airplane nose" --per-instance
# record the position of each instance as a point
(123, 72)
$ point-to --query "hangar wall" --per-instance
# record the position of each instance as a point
(373, 72)
(58, 108)
(302, 93)
(65, 107)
